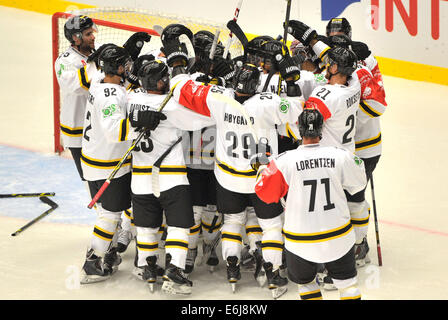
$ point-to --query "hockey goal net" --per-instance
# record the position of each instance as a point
(116, 25)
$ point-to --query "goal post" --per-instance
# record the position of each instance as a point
(116, 25)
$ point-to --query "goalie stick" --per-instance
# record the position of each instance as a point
(128, 152)
(53, 205)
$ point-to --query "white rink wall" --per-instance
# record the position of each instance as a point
(410, 38)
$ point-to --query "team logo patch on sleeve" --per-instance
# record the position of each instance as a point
(358, 160)
(109, 110)
(284, 105)
(320, 78)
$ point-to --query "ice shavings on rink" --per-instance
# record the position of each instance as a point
(24, 171)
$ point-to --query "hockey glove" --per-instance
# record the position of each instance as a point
(301, 32)
(175, 51)
(135, 44)
(148, 119)
(261, 157)
(133, 74)
(361, 50)
(95, 56)
(223, 68)
(173, 32)
(289, 67)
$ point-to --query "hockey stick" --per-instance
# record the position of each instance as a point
(123, 159)
(378, 246)
(230, 40)
(155, 172)
(285, 35)
(233, 26)
(27, 195)
(53, 206)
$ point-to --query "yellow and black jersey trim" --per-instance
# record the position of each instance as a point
(83, 79)
(253, 230)
(290, 132)
(209, 155)
(311, 295)
(136, 170)
(195, 229)
(128, 215)
(360, 222)
(103, 164)
(179, 244)
(272, 245)
(102, 234)
(124, 130)
(368, 143)
(72, 132)
(371, 112)
(207, 227)
(153, 246)
(228, 236)
(318, 236)
(234, 172)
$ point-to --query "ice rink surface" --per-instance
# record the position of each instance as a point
(44, 262)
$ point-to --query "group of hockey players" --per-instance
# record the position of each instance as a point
(267, 154)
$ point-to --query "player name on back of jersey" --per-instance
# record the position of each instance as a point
(353, 99)
(315, 163)
(139, 107)
(231, 118)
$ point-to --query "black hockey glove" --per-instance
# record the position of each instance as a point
(133, 74)
(261, 157)
(289, 67)
(148, 119)
(173, 32)
(95, 56)
(175, 51)
(301, 32)
(223, 68)
(361, 50)
(135, 44)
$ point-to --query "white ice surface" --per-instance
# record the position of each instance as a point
(44, 261)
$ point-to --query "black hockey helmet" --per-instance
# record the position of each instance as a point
(201, 39)
(344, 58)
(246, 79)
(141, 60)
(219, 51)
(311, 123)
(253, 51)
(339, 25)
(273, 51)
(151, 73)
(75, 25)
(340, 40)
(112, 58)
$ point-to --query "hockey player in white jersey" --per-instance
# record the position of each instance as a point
(317, 225)
(106, 138)
(242, 117)
(167, 193)
(73, 73)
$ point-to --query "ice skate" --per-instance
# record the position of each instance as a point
(233, 271)
(112, 259)
(276, 283)
(247, 260)
(191, 258)
(259, 273)
(212, 261)
(175, 281)
(93, 269)
(208, 249)
(361, 253)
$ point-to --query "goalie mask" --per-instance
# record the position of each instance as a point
(75, 26)
(112, 58)
(246, 79)
(311, 122)
(151, 73)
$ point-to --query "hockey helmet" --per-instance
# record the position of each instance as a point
(338, 26)
(75, 25)
(201, 39)
(253, 51)
(311, 123)
(246, 79)
(344, 58)
(112, 58)
(151, 73)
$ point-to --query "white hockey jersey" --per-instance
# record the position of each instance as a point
(338, 105)
(239, 126)
(173, 168)
(317, 219)
(74, 76)
(107, 132)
